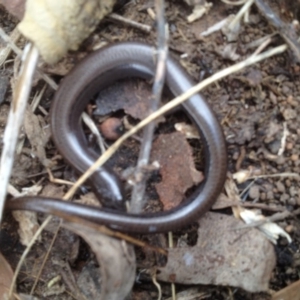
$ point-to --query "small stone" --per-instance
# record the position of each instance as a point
(280, 160)
(290, 99)
(270, 195)
(235, 155)
(294, 157)
(289, 146)
(289, 114)
(263, 196)
(274, 146)
(289, 228)
(286, 90)
(291, 201)
(280, 187)
(254, 192)
(111, 128)
(293, 191)
(273, 98)
(284, 198)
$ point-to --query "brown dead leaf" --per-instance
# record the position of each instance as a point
(6, 276)
(117, 260)
(222, 256)
(28, 224)
(129, 95)
(178, 171)
(89, 199)
(290, 292)
(53, 191)
(37, 136)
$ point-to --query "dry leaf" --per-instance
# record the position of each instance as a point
(270, 229)
(117, 260)
(28, 224)
(133, 98)
(222, 256)
(178, 171)
(38, 136)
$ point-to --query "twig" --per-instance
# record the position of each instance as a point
(6, 38)
(281, 175)
(276, 217)
(171, 245)
(138, 192)
(88, 121)
(241, 2)
(25, 253)
(15, 119)
(286, 31)
(140, 26)
(153, 277)
(44, 260)
(240, 14)
(4, 53)
(283, 139)
(175, 102)
(263, 46)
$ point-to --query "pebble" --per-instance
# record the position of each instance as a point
(289, 146)
(290, 99)
(294, 157)
(289, 228)
(286, 90)
(280, 160)
(254, 192)
(291, 201)
(293, 191)
(274, 146)
(263, 196)
(284, 198)
(289, 114)
(111, 128)
(280, 187)
(270, 195)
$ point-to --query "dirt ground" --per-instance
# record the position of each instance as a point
(256, 108)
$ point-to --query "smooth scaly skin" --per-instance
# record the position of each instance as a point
(98, 70)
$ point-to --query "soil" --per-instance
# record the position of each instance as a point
(254, 107)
